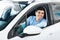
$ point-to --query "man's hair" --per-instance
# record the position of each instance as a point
(40, 8)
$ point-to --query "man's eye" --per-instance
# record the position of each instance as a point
(42, 13)
(38, 12)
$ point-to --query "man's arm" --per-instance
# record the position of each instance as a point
(28, 22)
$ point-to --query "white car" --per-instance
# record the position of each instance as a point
(50, 32)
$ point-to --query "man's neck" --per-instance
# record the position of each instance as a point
(37, 19)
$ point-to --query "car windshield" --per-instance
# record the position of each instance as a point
(9, 14)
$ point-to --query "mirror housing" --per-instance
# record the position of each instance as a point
(32, 30)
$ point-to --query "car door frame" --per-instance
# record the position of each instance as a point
(28, 12)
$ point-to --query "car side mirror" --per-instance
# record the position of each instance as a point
(31, 31)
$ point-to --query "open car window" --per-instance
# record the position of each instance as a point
(22, 23)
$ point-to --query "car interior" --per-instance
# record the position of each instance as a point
(9, 14)
(5, 18)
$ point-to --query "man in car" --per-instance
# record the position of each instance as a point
(37, 20)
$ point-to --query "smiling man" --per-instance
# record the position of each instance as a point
(37, 20)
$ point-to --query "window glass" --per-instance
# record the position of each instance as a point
(9, 14)
(56, 12)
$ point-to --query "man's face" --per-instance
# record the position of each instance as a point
(39, 14)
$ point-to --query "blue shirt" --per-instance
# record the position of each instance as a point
(32, 21)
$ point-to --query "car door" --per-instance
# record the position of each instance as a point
(14, 32)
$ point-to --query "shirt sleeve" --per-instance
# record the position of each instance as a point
(28, 20)
(24, 23)
(42, 24)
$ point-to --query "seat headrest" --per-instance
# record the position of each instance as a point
(6, 13)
